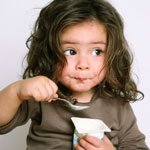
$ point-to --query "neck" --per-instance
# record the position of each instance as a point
(83, 97)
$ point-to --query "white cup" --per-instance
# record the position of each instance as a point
(87, 126)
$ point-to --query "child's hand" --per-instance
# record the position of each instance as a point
(93, 143)
(40, 88)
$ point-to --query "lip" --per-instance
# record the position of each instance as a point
(80, 79)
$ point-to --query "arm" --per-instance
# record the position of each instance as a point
(9, 103)
(130, 136)
(40, 88)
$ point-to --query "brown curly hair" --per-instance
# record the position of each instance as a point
(46, 58)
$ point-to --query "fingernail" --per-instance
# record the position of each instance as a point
(49, 100)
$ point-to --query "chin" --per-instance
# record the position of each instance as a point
(81, 89)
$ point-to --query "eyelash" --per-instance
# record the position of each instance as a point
(73, 52)
(70, 51)
(98, 50)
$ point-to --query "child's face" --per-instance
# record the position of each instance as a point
(84, 46)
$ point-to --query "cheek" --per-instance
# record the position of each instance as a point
(100, 71)
(98, 66)
(65, 72)
(66, 69)
(102, 74)
(69, 67)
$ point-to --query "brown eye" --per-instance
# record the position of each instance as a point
(70, 52)
(97, 52)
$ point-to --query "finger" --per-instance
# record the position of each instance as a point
(42, 93)
(86, 145)
(52, 89)
(50, 93)
(49, 84)
(93, 140)
(48, 88)
(40, 88)
(54, 98)
(53, 85)
(78, 147)
(106, 139)
(37, 94)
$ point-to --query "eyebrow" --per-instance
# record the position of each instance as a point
(71, 42)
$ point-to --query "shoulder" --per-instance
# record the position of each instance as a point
(116, 105)
(121, 109)
(116, 102)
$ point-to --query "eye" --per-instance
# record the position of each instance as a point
(97, 52)
(70, 52)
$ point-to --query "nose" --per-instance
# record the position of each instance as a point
(82, 63)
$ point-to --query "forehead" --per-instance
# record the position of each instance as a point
(85, 32)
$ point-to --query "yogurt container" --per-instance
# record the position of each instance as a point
(87, 126)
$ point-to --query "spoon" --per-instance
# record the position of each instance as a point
(74, 107)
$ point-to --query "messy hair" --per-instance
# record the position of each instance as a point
(45, 56)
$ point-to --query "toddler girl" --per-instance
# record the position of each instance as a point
(77, 51)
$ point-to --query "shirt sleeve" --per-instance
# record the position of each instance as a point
(130, 136)
(26, 111)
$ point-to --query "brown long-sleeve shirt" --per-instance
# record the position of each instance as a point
(52, 128)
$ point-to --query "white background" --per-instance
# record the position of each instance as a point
(16, 22)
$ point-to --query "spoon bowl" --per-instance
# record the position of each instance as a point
(74, 107)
